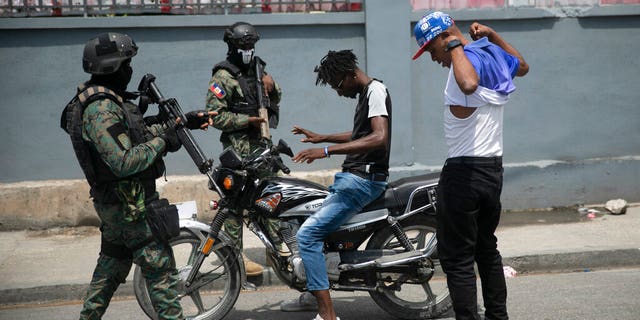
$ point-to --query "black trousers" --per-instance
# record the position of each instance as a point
(468, 213)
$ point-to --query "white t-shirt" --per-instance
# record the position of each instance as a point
(480, 134)
(377, 95)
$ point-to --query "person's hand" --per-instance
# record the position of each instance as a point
(170, 137)
(256, 121)
(268, 84)
(309, 155)
(200, 119)
(477, 31)
(310, 135)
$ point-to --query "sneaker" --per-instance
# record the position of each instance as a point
(318, 317)
(306, 302)
(253, 269)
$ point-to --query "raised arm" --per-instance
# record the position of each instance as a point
(478, 31)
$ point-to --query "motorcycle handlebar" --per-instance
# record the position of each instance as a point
(282, 166)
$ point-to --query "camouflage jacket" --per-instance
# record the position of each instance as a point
(99, 120)
(224, 91)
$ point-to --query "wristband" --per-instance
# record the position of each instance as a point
(452, 44)
(326, 151)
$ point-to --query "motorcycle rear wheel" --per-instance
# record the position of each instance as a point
(425, 300)
(219, 277)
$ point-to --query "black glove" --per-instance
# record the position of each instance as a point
(170, 137)
(194, 121)
(159, 118)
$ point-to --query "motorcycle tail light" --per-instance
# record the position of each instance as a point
(269, 203)
(228, 182)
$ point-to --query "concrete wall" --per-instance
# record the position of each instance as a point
(571, 132)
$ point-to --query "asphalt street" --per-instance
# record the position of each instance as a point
(606, 294)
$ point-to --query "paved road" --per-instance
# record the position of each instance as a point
(611, 294)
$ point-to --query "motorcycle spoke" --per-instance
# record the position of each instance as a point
(197, 301)
(204, 280)
(431, 297)
(420, 239)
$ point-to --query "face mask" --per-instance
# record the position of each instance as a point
(247, 55)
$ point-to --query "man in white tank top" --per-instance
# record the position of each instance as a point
(468, 206)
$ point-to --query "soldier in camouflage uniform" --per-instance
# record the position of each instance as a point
(233, 94)
(121, 157)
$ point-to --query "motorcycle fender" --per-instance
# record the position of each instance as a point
(201, 230)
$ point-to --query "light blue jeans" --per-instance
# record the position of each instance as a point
(347, 196)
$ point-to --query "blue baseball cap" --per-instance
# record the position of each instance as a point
(430, 26)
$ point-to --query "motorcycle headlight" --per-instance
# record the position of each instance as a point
(228, 182)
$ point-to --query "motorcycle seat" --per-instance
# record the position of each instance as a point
(396, 197)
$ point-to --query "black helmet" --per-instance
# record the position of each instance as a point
(241, 34)
(105, 53)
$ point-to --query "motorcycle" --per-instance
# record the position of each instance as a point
(387, 250)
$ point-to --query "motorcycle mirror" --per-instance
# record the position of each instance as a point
(283, 147)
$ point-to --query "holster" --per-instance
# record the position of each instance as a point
(163, 220)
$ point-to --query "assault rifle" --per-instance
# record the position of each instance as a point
(263, 104)
(171, 109)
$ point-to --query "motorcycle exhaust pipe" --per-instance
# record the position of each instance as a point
(394, 260)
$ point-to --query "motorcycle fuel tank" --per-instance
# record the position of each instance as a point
(304, 196)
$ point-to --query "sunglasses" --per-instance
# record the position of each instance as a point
(339, 85)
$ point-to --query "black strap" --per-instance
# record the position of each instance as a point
(142, 244)
(113, 250)
(368, 176)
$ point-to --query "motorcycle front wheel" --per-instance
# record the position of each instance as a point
(407, 298)
(214, 290)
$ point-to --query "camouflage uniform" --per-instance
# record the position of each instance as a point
(224, 92)
(123, 224)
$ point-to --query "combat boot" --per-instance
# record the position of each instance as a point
(253, 269)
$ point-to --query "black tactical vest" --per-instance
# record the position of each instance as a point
(97, 172)
(248, 83)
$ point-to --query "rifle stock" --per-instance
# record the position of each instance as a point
(262, 102)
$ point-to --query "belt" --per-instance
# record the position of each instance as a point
(475, 161)
(373, 176)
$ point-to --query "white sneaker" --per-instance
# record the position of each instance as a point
(318, 317)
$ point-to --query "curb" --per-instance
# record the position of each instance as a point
(575, 261)
(544, 263)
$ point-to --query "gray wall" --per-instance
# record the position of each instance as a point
(571, 132)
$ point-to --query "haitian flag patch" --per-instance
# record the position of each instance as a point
(217, 90)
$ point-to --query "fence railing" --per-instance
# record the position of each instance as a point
(35, 8)
(418, 5)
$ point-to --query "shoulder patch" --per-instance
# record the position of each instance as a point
(118, 134)
(217, 90)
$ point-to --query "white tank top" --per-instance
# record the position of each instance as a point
(480, 134)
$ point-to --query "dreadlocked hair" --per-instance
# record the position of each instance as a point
(335, 65)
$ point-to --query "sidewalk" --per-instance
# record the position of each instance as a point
(56, 264)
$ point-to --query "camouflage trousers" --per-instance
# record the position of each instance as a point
(156, 261)
(240, 141)
(233, 227)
